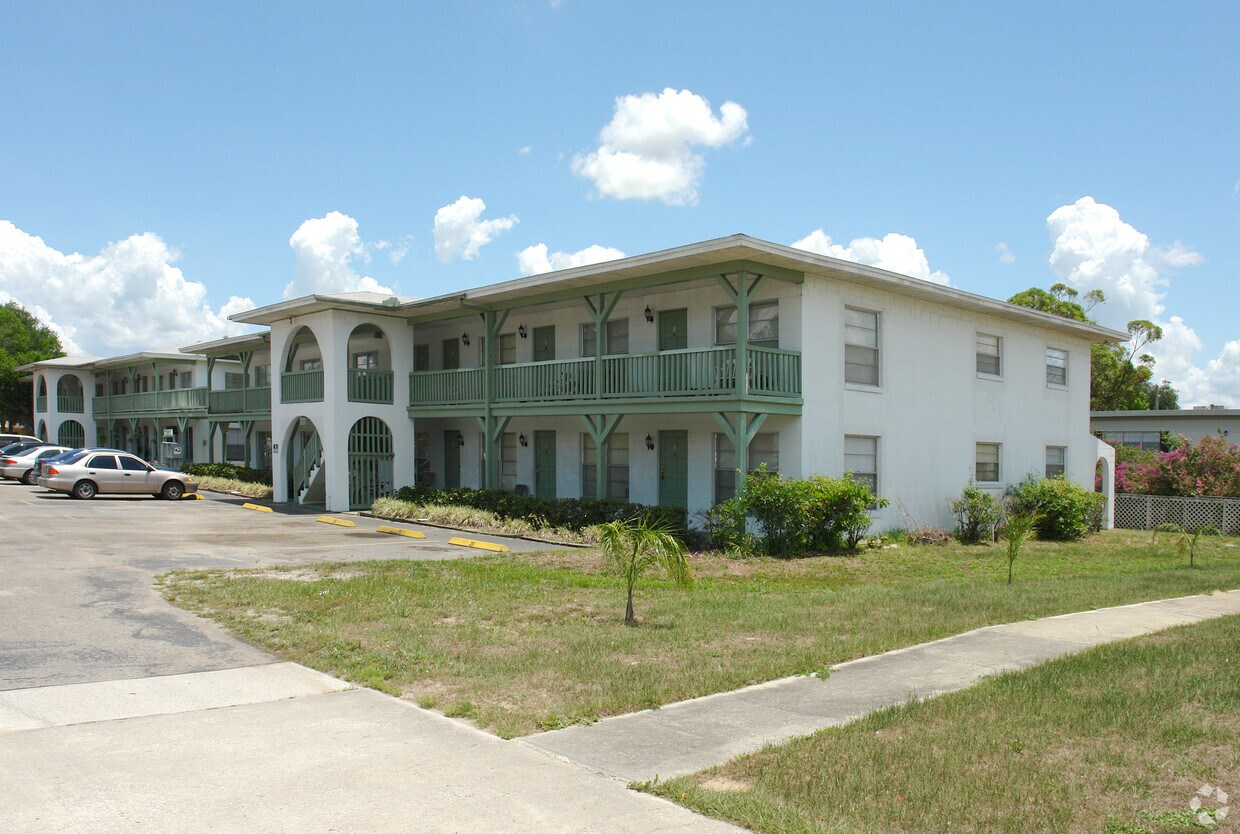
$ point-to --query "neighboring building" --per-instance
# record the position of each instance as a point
(662, 378)
(1144, 428)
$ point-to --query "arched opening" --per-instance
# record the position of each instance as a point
(41, 432)
(303, 463)
(370, 462)
(302, 379)
(69, 395)
(369, 358)
(71, 434)
(40, 395)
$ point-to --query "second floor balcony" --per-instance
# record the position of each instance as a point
(174, 401)
(241, 401)
(692, 374)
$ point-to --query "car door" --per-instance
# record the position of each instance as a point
(106, 473)
(136, 476)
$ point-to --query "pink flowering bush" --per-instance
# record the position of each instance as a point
(1209, 467)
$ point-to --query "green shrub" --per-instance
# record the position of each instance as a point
(977, 513)
(569, 513)
(1066, 511)
(794, 516)
(228, 470)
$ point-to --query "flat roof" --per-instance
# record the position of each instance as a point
(1193, 413)
(231, 344)
(740, 247)
(60, 362)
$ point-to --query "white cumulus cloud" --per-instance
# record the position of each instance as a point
(1092, 247)
(461, 233)
(647, 150)
(893, 252)
(535, 260)
(130, 297)
(324, 249)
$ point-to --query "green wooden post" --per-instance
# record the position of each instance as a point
(601, 433)
(741, 434)
(210, 369)
(492, 322)
(247, 428)
(741, 296)
(600, 312)
(247, 356)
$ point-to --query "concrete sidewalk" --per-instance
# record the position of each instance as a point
(691, 735)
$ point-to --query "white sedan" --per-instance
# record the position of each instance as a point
(20, 467)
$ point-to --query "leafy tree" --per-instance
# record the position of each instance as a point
(23, 339)
(632, 547)
(1120, 374)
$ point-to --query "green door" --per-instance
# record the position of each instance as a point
(673, 329)
(674, 468)
(451, 354)
(451, 459)
(544, 343)
(544, 464)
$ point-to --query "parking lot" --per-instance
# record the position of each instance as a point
(77, 602)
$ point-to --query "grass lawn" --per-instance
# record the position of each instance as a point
(1116, 740)
(522, 643)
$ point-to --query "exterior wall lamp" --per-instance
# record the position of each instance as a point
(649, 315)
(465, 339)
(521, 331)
(523, 440)
(650, 443)
(460, 440)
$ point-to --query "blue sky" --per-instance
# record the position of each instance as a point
(158, 159)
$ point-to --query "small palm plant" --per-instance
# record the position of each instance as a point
(1017, 529)
(632, 547)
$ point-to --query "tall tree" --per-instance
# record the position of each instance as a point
(1120, 373)
(23, 339)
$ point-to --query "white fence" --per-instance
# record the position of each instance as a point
(1145, 512)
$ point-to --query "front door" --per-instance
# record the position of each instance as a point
(451, 459)
(451, 354)
(673, 329)
(544, 464)
(544, 343)
(674, 468)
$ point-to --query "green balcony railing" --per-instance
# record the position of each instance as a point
(174, 401)
(69, 403)
(40, 403)
(461, 386)
(695, 372)
(241, 401)
(301, 387)
(367, 386)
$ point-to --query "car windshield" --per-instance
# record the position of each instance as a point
(18, 447)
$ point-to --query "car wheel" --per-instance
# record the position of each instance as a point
(28, 478)
(84, 489)
(173, 490)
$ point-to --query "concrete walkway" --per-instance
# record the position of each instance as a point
(691, 735)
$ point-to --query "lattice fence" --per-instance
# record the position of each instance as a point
(1145, 512)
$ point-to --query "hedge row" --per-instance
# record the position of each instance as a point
(571, 513)
(228, 470)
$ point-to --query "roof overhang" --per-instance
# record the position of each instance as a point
(231, 345)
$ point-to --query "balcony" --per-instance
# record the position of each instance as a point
(70, 404)
(241, 401)
(699, 373)
(301, 387)
(40, 404)
(367, 386)
(175, 401)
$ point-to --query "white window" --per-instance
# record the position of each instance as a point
(1148, 440)
(507, 349)
(986, 463)
(368, 361)
(1056, 366)
(421, 456)
(617, 467)
(234, 445)
(763, 324)
(617, 338)
(187, 379)
(860, 346)
(1055, 458)
(989, 361)
(861, 459)
(262, 376)
(311, 364)
(763, 449)
(232, 380)
(508, 461)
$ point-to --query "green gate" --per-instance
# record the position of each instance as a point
(370, 462)
(71, 434)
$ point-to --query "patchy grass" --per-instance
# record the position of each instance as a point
(521, 643)
(1117, 739)
(246, 488)
(477, 521)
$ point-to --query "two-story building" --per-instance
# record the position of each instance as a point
(663, 378)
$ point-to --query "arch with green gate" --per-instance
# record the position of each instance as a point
(371, 457)
(71, 434)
